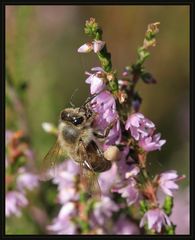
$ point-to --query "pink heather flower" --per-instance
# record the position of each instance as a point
(103, 211)
(107, 179)
(96, 80)
(152, 143)
(105, 107)
(114, 135)
(126, 166)
(8, 136)
(142, 130)
(96, 46)
(125, 226)
(65, 179)
(14, 201)
(167, 182)
(104, 104)
(26, 180)
(155, 219)
(129, 191)
(67, 172)
(63, 224)
(132, 172)
(139, 126)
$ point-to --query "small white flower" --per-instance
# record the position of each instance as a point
(49, 127)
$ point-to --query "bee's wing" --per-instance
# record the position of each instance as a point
(48, 165)
(90, 182)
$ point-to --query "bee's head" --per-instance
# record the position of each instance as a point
(73, 116)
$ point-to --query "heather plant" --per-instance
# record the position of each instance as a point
(129, 202)
(131, 194)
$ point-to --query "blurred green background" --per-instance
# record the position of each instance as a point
(41, 51)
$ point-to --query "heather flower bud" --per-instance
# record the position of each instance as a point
(85, 48)
(98, 45)
(148, 78)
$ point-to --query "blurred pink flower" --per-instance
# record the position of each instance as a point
(63, 224)
(14, 201)
(8, 136)
(66, 174)
(107, 179)
(65, 179)
(103, 210)
(129, 191)
(26, 180)
(167, 181)
(155, 219)
(125, 226)
(96, 80)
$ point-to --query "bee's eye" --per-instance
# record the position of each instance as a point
(77, 120)
(63, 115)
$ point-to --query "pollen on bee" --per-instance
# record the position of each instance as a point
(112, 153)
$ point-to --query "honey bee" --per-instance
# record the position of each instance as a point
(77, 138)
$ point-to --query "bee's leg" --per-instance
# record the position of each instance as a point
(88, 176)
(106, 131)
(100, 153)
(86, 161)
(81, 151)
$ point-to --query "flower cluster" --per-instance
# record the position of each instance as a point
(128, 191)
(67, 195)
(18, 179)
(71, 207)
(104, 105)
(133, 133)
(142, 130)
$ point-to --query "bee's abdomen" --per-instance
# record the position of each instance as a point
(101, 165)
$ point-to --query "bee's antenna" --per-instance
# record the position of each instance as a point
(71, 103)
